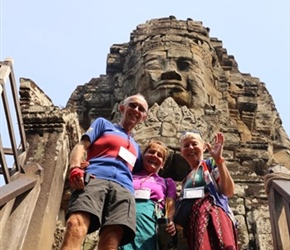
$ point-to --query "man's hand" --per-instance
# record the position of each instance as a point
(84, 164)
(76, 178)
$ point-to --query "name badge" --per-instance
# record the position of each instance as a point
(193, 193)
(126, 155)
(142, 193)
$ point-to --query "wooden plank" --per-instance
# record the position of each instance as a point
(279, 201)
(273, 218)
(15, 188)
(16, 228)
(283, 188)
(4, 73)
(3, 163)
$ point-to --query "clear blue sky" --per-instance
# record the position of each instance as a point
(60, 44)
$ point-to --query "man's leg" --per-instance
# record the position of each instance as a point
(110, 237)
(76, 230)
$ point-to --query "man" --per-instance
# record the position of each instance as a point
(107, 200)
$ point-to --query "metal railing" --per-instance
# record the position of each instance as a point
(10, 174)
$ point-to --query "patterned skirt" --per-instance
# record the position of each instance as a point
(210, 227)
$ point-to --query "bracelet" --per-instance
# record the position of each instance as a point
(220, 160)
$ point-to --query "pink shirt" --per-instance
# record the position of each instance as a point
(157, 185)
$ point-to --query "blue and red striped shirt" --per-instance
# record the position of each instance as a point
(106, 139)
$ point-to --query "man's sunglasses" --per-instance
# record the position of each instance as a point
(134, 105)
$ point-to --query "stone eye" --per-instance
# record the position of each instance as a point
(183, 64)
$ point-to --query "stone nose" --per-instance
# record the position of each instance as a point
(170, 71)
(170, 65)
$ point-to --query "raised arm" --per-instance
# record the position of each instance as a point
(226, 182)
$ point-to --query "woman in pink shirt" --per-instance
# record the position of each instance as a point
(155, 198)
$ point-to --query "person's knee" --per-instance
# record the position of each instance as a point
(78, 222)
(114, 229)
(112, 235)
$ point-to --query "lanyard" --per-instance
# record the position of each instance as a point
(195, 171)
(193, 175)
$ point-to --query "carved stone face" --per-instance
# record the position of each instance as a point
(172, 73)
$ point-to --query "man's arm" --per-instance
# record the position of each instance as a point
(78, 154)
